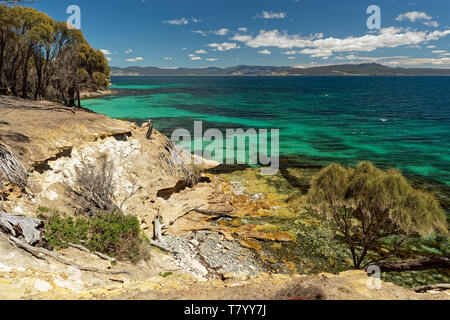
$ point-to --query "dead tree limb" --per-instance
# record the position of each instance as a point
(134, 190)
(158, 240)
(30, 228)
(160, 245)
(436, 287)
(101, 255)
(45, 252)
(150, 130)
(415, 265)
(158, 227)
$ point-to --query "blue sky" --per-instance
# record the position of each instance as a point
(201, 33)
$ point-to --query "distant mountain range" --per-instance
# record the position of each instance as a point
(366, 69)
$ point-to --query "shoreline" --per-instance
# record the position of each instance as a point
(232, 228)
(84, 95)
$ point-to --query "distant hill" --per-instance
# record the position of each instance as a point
(365, 69)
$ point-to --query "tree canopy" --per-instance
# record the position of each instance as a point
(45, 59)
(367, 204)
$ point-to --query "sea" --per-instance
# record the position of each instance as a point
(395, 122)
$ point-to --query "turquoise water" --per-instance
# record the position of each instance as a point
(401, 122)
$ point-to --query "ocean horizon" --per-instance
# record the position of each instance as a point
(399, 122)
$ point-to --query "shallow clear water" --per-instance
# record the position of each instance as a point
(401, 122)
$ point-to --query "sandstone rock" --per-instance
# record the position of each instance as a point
(42, 286)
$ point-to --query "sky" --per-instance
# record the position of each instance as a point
(299, 33)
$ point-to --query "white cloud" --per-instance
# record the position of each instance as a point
(182, 21)
(135, 59)
(291, 58)
(177, 22)
(396, 61)
(317, 46)
(439, 51)
(225, 46)
(265, 51)
(200, 32)
(129, 51)
(243, 29)
(289, 52)
(169, 58)
(420, 62)
(431, 47)
(373, 59)
(212, 59)
(414, 16)
(222, 32)
(241, 38)
(108, 58)
(196, 58)
(106, 52)
(271, 15)
(201, 51)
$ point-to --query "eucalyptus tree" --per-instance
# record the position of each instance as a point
(46, 59)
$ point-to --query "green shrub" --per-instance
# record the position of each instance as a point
(367, 204)
(113, 234)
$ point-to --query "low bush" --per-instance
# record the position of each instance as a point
(110, 233)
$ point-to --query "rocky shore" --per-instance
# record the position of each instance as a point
(96, 94)
(214, 250)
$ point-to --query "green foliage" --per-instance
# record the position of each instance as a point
(82, 75)
(165, 274)
(100, 79)
(114, 234)
(367, 204)
(45, 58)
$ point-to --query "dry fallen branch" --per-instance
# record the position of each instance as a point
(101, 255)
(433, 287)
(41, 251)
(160, 245)
(437, 262)
(158, 227)
(30, 228)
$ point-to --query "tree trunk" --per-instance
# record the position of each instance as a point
(71, 93)
(39, 79)
(2, 60)
(26, 60)
(415, 265)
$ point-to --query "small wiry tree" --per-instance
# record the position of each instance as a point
(97, 187)
(367, 204)
(11, 170)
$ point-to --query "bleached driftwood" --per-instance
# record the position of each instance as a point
(101, 255)
(41, 251)
(433, 287)
(150, 130)
(160, 245)
(158, 226)
(158, 240)
(438, 262)
(30, 228)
